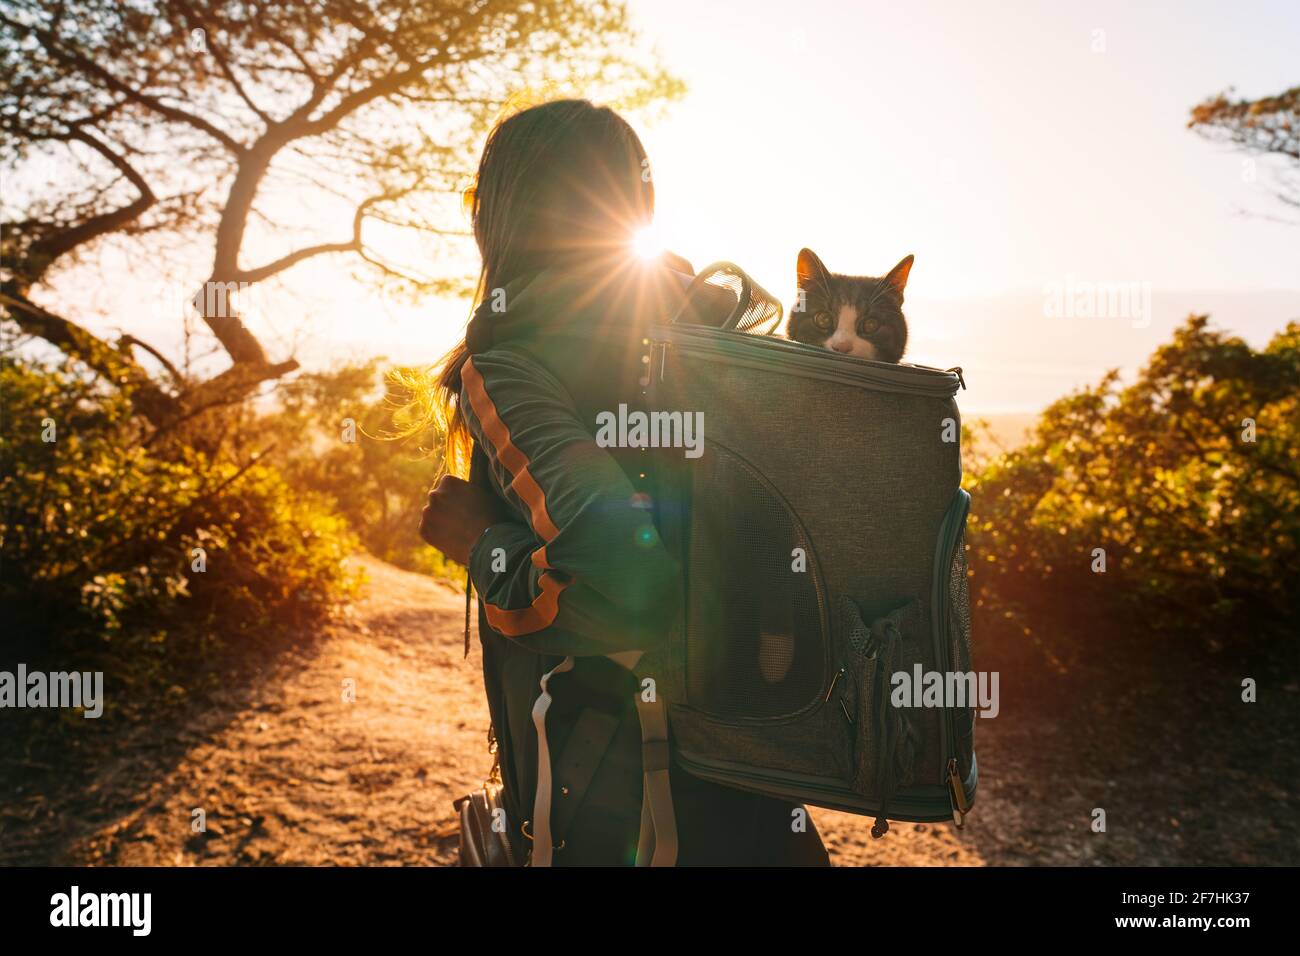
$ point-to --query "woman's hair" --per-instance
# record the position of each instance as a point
(565, 182)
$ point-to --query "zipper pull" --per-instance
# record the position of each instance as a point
(957, 794)
(957, 369)
(834, 680)
(844, 708)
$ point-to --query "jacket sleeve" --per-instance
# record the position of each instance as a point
(584, 571)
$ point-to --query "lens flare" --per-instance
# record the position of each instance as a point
(648, 243)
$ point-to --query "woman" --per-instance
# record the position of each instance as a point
(555, 530)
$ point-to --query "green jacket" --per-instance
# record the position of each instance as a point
(583, 571)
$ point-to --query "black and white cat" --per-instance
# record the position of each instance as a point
(855, 315)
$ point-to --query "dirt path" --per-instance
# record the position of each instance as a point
(288, 772)
(298, 775)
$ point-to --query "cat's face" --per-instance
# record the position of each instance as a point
(855, 315)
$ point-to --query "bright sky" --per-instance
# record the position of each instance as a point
(988, 138)
(1011, 146)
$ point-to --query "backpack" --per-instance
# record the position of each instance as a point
(821, 533)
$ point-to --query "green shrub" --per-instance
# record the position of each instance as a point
(1200, 525)
(331, 434)
(99, 527)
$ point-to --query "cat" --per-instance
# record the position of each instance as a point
(854, 315)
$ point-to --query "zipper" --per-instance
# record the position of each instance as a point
(834, 680)
(844, 708)
(808, 361)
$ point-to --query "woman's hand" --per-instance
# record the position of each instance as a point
(457, 515)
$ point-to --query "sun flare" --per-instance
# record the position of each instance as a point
(648, 243)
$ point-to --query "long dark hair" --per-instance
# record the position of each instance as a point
(565, 181)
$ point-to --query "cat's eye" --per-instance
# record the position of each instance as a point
(823, 322)
(870, 327)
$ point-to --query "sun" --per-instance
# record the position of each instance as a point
(648, 243)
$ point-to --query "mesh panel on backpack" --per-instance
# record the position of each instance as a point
(959, 606)
(959, 633)
(723, 296)
(755, 646)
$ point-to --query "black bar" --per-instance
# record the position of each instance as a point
(784, 909)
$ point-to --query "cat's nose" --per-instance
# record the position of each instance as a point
(843, 346)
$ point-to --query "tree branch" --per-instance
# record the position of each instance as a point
(223, 63)
(89, 67)
(128, 341)
(45, 250)
(293, 258)
(77, 343)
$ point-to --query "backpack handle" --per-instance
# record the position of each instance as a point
(723, 296)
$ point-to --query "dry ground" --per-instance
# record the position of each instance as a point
(289, 773)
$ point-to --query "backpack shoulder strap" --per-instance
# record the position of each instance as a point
(657, 843)
(543, 848)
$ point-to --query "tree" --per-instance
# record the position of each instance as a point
(1188, 480)
(154, 119)
(1267, 126)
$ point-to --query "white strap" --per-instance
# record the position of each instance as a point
(658, 843)
(542, 849)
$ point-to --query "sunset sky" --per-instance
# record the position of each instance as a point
(1011, 147)
(988, 138)
(992, 142)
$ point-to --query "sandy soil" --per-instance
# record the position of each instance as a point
(288, 772)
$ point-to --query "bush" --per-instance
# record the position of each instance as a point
(100, 529)
(332, 433)
(1188, 479)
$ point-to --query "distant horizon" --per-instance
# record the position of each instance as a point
(1037, 360)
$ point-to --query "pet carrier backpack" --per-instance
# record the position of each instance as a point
(820, 528)
(821, 533)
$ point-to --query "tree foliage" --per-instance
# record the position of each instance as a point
(144, 121)
(1188, 480)
(264, 135)
(332, 431)
(1268, 126)
(98, 532)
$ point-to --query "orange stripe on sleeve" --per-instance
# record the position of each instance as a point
(536, 617)
(515, 461)
(544, 608)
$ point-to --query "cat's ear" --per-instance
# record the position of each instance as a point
(809, 269)
(898, 275)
